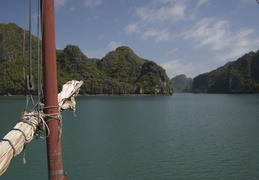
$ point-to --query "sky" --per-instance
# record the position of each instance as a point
(188, 37)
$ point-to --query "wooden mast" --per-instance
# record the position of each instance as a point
(55, 167)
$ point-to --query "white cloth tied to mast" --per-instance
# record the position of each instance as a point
(66, 98)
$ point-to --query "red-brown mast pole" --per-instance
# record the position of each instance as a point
(55, 166)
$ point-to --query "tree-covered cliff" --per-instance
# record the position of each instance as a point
(240, 76)
(14, 58)
(182, 84)
(119, 72)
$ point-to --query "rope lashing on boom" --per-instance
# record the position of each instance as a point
(32, 124)
(13, 143)
(15, 129)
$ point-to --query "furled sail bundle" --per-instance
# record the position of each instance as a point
(31, 123)
(14, 141)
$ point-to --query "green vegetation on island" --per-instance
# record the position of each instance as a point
(182, 84)
(119, 72)
(240, 76)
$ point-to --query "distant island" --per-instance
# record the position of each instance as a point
(240, 76)
(182, 84)
(120, 72)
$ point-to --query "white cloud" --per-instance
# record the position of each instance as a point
(92, 3)
(231, 55)
(247, 1)
(172, 51)
(173, 13)
(157, 19)
(72, 9)
(209, 32)
(100, 53)
(162, 36)
(95, 53)
(159, 35)
(219, 36)
(59, 3)
(113, 45)
(168, 11)
(243, 46)
(201, 2)
(177, 66)
(132, 28)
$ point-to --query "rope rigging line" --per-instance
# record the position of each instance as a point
(30, 80)
(24, 28)
(32, 121)
(29, 125)
(39, 88)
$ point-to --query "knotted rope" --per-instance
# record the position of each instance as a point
(13, 143)
(32, 123)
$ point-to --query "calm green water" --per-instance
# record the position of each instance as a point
(184, 136)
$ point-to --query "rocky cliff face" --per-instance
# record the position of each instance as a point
(153, 79)
(13, 58)
(182, 84)
(240, 76)
(119, 72)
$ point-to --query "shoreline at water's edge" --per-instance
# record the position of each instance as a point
(125, 94)
(10, 95)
